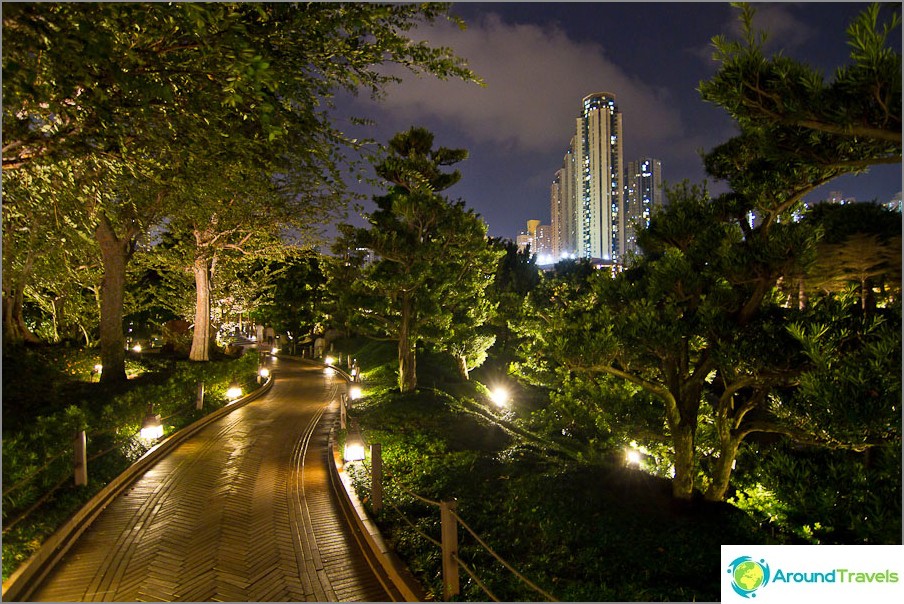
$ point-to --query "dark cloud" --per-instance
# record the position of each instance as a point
(535, 78)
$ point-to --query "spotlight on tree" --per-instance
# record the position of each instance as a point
(500, 396)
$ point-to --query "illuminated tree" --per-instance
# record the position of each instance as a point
(430, 257)
(149, 86)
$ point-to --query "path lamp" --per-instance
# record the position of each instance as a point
(234, 391)
(263, 374)
(328, 360)
(354, 392)
(151, 426)
(354, 447)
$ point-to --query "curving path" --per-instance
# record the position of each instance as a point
(242, 511)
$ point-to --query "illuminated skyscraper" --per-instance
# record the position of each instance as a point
(563, 207)
(599, 173)
(643, 193)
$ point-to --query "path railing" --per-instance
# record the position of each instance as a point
(450, 520)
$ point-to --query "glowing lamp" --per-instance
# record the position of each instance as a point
(98, 368)
(354, 392)
(499, 396)
(234, 391)
(354, 448)
(633, 457)
(137, 347)
(151, 426)
(329, 360)
(264, 372)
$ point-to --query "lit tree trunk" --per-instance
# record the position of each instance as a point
(721, 477)
(200, 342)
(407, 358)
(462, 367)
(14, 329)
(683, 442)
(115, 252)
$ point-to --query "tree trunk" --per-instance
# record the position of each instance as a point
(721, 478)
(683, 441)
(114, 253)
(14, 329)
(407, 359)
(462, 367)
(200, 342)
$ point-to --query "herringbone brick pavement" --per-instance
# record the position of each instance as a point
(242, 511)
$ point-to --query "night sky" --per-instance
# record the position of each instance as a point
(540, 59)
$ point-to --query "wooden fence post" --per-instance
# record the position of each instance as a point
(376, 477)
(199, 402)
(449, 530)
(343, 415)
(80, 460)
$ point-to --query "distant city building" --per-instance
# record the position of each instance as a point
(563, 206)
(643, 194)
(543, 245)
(600, 221)
(839, 198)
(528, 237)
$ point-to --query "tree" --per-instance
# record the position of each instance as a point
(292, 295)
(430, 255)
(244, 81)
(696, 322)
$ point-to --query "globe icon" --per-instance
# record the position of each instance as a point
(749, 575)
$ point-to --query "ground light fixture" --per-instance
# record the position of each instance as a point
(499, 396)
(151, 426)
(264, 372)
(329, 360)
(633, 456)
(274, 351)
(354, 447)
(234, 391)
(136, 348)
(355, 392)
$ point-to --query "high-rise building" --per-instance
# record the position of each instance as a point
(563, 207)
(643, 193)
(543, 241)
(600, 226)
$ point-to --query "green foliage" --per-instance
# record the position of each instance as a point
(797, 130)
(431, 263)
(850, 498)
(584, 532)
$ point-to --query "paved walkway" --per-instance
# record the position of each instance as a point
(243, 511)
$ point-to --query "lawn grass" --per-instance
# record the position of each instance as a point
(581, 532)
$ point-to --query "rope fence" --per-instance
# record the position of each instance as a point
(450, 550)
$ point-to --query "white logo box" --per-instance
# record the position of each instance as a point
(803, 573)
